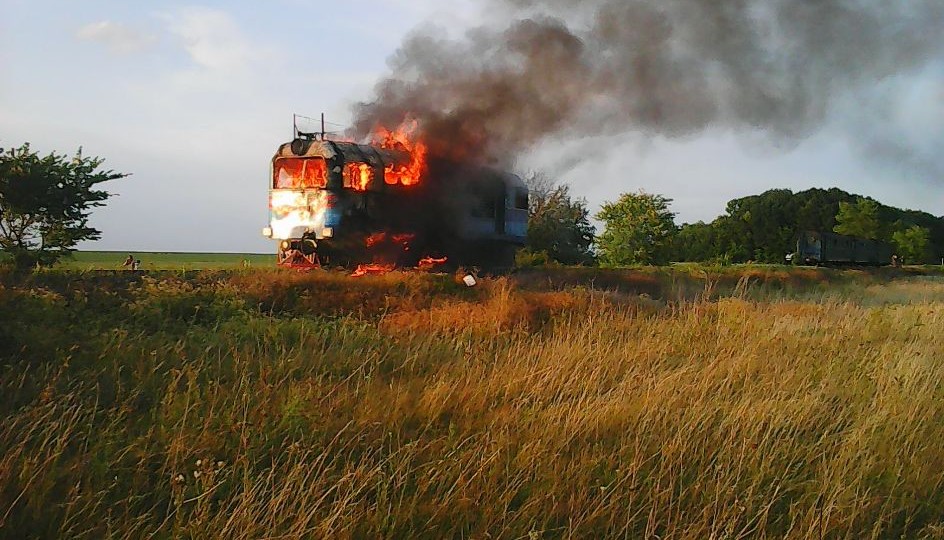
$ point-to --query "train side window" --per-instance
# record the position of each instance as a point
(483, 207)
(521, 199)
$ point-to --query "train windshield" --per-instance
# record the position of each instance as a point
(299, 173)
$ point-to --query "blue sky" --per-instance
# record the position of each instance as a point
(193, 99)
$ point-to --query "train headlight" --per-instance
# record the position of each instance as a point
(267, 232)
(327, 232)
(284, 245)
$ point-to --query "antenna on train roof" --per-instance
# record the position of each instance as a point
(308, 135)
(312, 135)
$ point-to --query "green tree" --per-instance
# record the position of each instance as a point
(638, 230)
(45, 203)
(859, 219)
(694, 242)
(912, 243)
(558, 224)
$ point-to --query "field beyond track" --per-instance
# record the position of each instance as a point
(745, 402)
(112, 260)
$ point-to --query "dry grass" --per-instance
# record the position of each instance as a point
(236, 406)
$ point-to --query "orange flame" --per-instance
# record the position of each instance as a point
(429, 262)
(364, 269)
(358, 175)
(375, 239)
(404, 138)
(403, 238)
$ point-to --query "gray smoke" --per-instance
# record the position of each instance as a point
(660, 67)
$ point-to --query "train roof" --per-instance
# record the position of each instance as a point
(375, 156)
(829, 234)
(349, 152)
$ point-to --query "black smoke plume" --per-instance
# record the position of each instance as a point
(660, 67)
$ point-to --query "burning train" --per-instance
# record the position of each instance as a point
(335, 203)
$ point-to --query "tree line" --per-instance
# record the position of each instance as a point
(640, 228)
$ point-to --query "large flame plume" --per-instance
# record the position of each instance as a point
(404, 138)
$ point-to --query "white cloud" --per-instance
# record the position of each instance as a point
(119, 38)
(899, 124)
(213, 39)
(435, 9)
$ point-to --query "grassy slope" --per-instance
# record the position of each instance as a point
(683, 404)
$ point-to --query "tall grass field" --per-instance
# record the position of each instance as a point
(684, 403)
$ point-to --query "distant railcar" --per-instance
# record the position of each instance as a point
(826, 248)
(341, 203)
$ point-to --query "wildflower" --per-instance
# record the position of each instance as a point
(196, 474)
(220, 464)
(199, 462)
(179, 478)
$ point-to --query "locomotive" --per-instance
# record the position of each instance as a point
(826, 248)
(344, 204)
